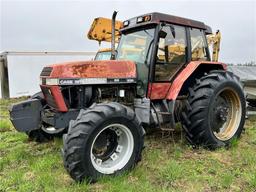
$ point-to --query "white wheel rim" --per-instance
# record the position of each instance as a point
(230, 128)
(122, 153)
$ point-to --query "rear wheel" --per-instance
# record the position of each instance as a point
(215, 110)
(106, 139)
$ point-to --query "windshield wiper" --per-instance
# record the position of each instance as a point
(148, 33)
(149, 47)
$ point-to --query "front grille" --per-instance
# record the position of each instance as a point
(46, 71)
(49, 97)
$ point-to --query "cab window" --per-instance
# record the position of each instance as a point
(198, 45)
(103, 55)
(171, 53)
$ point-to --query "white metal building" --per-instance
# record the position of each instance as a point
(20, 71)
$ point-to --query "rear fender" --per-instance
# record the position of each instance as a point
(187, 75)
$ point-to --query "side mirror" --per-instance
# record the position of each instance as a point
(172, 31)
(162, 34)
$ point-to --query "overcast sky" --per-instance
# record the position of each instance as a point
(62, 25)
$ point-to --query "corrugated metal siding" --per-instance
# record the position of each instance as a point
(246, 73)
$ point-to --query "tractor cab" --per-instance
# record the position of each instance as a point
(161, 45)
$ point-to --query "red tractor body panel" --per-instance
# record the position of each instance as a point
(170, 90)
(53, 95)
(94, 69)
(158, 90)
(116, 69)
(84, 69)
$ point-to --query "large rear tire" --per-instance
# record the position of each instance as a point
(106, 139)
(215, 110)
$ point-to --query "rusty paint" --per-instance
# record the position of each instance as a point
(94, 69)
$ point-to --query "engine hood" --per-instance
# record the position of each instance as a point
(92, 69)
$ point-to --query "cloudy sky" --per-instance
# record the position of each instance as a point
(62, 25)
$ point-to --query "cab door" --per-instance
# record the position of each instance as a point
(171, 55)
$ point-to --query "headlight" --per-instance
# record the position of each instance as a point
(48, 81)
(51, 81)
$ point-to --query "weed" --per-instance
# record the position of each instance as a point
(5, 125)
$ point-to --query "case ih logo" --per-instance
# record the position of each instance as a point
(93, 81)
(82, 81)
(66, 82)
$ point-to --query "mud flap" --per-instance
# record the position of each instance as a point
(26, 115)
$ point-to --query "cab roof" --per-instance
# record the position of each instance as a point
(157, 18)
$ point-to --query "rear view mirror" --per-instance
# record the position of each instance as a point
(162, 34)
(173, 31)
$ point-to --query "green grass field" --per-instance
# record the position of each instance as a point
(168, 164)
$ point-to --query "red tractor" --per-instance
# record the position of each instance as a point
(160, 74)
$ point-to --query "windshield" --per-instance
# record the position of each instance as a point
(136, 46)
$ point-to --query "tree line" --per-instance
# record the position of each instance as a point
(250, 63)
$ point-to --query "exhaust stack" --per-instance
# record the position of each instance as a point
(113, 49)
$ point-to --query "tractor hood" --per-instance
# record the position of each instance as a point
(89, 72)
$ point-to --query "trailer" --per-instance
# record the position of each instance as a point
(19, 71)
(247, 75)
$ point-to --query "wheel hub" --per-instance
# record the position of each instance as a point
(225, 114)
(221, 113)
(105, 145)
(112, 148)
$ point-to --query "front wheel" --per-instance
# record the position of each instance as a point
(106, 139)
(215, 111)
